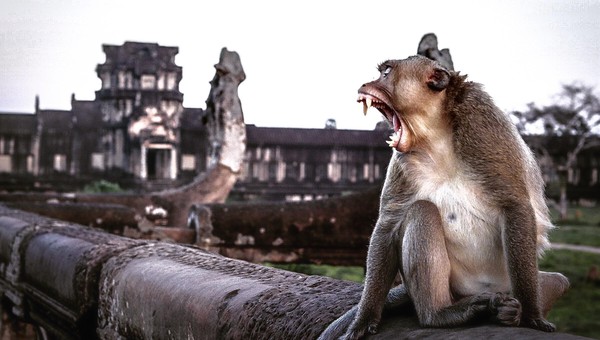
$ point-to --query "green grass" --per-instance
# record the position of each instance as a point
(577, 215)
(577, 312)
(355, 273)
(582, 235)
(102, 186)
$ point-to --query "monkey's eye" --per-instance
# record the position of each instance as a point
(386, 71)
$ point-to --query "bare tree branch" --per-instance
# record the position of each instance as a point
(573, 119)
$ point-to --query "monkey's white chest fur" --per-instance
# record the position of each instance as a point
(472, 226)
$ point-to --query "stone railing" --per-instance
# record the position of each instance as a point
(76, 282)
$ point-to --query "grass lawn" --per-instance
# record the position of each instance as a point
(577, 215)
(582, 235)
(349, 273)
(578, 311)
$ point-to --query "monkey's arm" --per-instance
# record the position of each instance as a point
(383, 255)
(382, 266)
(521, 254)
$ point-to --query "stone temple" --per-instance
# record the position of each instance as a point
(137, 132)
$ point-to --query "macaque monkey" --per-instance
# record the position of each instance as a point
(462, 213)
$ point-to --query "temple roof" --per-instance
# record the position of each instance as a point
(315, 137)
(17, 123)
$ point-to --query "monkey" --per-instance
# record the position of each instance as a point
(462, 213)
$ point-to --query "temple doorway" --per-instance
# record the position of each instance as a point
(159, 161)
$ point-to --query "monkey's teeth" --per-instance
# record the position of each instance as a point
(394, 139)
(366, 105)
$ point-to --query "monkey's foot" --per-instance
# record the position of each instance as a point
(359, 331)
(539, 324)
(507, 310)
(353, 334)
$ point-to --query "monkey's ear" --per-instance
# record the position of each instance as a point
(438, 79)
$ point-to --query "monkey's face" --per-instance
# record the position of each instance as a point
(409, 93)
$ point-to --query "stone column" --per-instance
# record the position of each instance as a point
(173, 170)
(143, 165)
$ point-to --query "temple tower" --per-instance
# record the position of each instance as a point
(141, 106)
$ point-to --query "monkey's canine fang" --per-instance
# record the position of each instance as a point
(390, 114)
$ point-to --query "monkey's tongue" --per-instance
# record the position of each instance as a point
(396, 122)
(394, 141)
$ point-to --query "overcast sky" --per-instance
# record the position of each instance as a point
(304, 60)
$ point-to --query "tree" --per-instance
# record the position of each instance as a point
(570, 125)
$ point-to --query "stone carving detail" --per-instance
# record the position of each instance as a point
(225, 119)
(428, 47)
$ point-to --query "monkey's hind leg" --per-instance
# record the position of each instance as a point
(426, 271)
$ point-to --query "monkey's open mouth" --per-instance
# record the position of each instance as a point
(396, 139)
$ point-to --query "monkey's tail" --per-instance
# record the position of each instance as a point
(397, 297)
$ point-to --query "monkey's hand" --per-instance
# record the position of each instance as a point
(506, 309)
(539, 324)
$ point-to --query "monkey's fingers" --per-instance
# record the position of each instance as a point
(507, 309)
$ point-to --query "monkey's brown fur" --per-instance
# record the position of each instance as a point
(462, 212)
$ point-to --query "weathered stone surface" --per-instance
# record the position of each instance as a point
(167, 234)
(9, 228)
(53, 267)
(11, 235)
(189, 293)
(407, 327)
(227, 131)
(109, 217)
(64, 262)
(333, 231)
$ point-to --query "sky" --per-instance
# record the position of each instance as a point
(304, 60)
